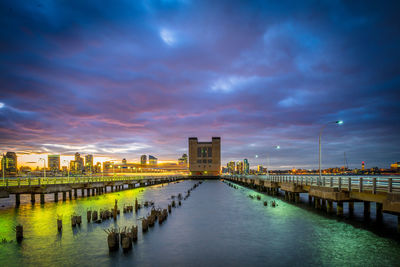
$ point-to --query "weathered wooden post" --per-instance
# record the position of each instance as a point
(169, 208)
(41, 198)
(56, 197)
(73, 220)
(136, 205)
(367, 209)
(329, 206)
(173, 203)
(59, 224)
(64, 196)
(113, 240)
(115, 210)
(145, 226)
(17, 200)
(379, 213)
(89, 215)
(33, 200)
(94, 216)
(351, 208)
(19, 233)
(339, 209)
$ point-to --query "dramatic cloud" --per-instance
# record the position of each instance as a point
(133, 77)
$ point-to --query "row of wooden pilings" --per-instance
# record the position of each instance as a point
(92, 191)
(129, 235)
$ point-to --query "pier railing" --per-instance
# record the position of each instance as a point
(38, 181)
(372, 184)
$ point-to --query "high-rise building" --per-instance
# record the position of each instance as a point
(89, 163)
(205, 157)
(246, 166)
(152, 160)
(77, 165)
(260, 169)
(240, 167)
(9, 163)
(231, 167)
(183, 160)
(143, 159)
(53, 162)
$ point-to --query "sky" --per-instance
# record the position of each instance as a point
(123, 78)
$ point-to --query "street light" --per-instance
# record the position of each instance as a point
(44, 166)
(3, 164)
(319, 147)
(277, 148)
(67, 161)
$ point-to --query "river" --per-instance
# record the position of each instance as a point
(217, 225)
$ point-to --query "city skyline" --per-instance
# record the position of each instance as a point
(122, 80)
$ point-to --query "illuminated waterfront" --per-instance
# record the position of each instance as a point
(216, 225)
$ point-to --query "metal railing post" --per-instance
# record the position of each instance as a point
(361, 184)
(390, 184)
(349, 184)
(374, 185)
(340, 184)
(331, 181)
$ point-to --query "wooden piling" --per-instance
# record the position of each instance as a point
(329, 206)
(33, 200)
(17, 199)
(367, 209)
(89, 215)
(309, 200)
(56, 197)
(64, 196)
(379, 213)
(297, 197)
(75, 193)
(41, 198)
(339, 208)
(19, 233)
(351, 208)
(70, 195)
(59, 225)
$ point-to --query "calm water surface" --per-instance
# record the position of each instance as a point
(217, 225)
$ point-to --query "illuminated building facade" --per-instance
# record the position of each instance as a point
(9, 163)
(205, 157)
(152, 160)
(246, 166)
(53, 162)
(143, 159)
(183, 160)
(89, 163)
(231, 167)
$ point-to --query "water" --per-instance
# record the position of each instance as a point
(217, 225)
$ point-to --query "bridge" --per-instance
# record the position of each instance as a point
(92, 185)
(322, 193)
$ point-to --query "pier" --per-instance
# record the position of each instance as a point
(69, 187)
(322, 194)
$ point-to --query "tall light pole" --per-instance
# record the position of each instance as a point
(44, 167)
(67, 161)
(276, 147)
(3, 164)
(319, 147)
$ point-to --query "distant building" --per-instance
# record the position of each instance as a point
(231, 167)
(246, 166)
(123, 161)
(183, 160)
(152, 160)
(239, 167)
(143, 159)
(53, 162)
(77, 164)
(97, 167)
(395, 166)
(260, 169)
(362, 166)
(89, 163)
(205, 157)
(9, 163)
